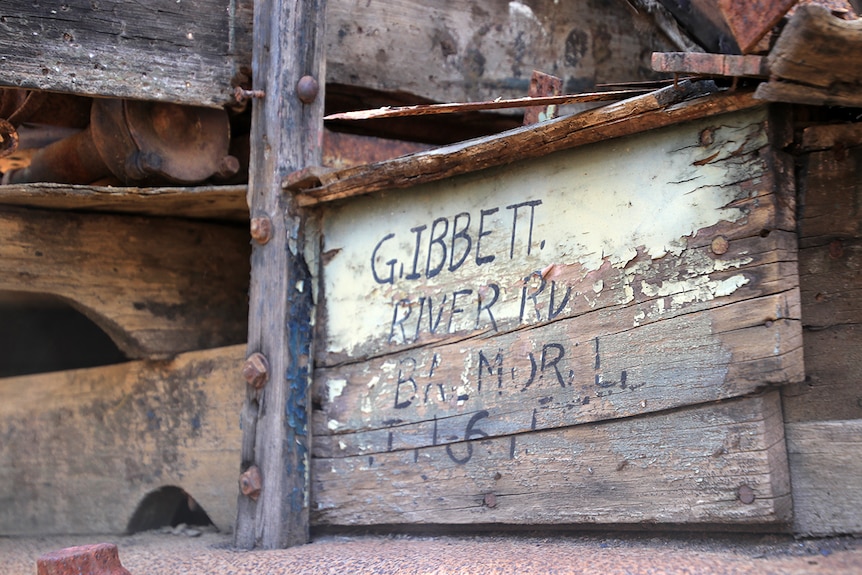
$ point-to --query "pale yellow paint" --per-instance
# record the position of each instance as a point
(599, 204)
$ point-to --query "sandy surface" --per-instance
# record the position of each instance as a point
(156, 553)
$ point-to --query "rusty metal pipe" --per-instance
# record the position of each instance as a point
(70, 160)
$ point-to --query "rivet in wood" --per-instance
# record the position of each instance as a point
(307, 89)
(96, 559)
(719, 245)
(261, 229)
(256, 370)
(745, 494)
(490, 500)
(250, 483)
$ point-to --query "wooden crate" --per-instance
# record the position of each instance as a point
(582, 338)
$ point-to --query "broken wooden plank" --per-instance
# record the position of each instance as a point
(286, 136)
(717, 464)
(749, 21)
(809, 62)
(635, 115)
(710, 64)
(81, 449)
(156, 286)
(826, 473)
(460, 107)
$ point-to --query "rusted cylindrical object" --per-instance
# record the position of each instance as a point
(96, 559)
(250, 483)
(73, 159)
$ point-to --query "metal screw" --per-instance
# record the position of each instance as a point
(490, 500)
(250, 483)
(261, 229)
(307, 89)
(96, 559)
(256, 370)
(745, 494)
(719, 245)
(242, 95)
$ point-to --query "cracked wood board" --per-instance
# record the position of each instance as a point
(693, 466)
(616, 280)
(81, 449)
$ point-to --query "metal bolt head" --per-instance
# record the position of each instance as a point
(490, 500)
(250, 483)
(228, 167)
(745, 494)
(719, 245)
(261, 229)
(96, 559)
(307, 89)
(256, 370)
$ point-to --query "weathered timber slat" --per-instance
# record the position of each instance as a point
(186, 52)
(631, 116)
(286, 136)
(827, 472)
(190, 52)
(225, 203)
(156, 286)
(710, 64)
(696, 466)
(831, 197)
(809, 63)
(81, 449)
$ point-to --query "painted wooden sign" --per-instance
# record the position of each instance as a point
(470, 328)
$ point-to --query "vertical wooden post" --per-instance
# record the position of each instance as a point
(288, 66)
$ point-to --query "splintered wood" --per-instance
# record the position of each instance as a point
(538, 343)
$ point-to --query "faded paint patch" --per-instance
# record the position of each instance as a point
(334, 388)
(464, 254)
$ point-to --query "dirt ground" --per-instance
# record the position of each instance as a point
(210, 553)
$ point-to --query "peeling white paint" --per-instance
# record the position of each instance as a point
(334, 388)
(333, 424)
(600, 205)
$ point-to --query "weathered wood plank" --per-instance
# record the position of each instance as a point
(82, 448)
(531, 242)
(831, 196)
(185, 52)
(286, 135)
(156, 286)
(809, 62)
(710, 64)
(827, 472)
(191, 52)
(688, 466)
(631, 116)
(226, 203)
(590, 368)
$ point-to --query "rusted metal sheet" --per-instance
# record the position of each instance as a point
(751, 20)
(478, 314)
(542, 84)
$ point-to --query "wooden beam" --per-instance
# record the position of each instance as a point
(710, 64)
(286, 133)
(156, 286)
(81, 449)
(815, 60)
(661, 108)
